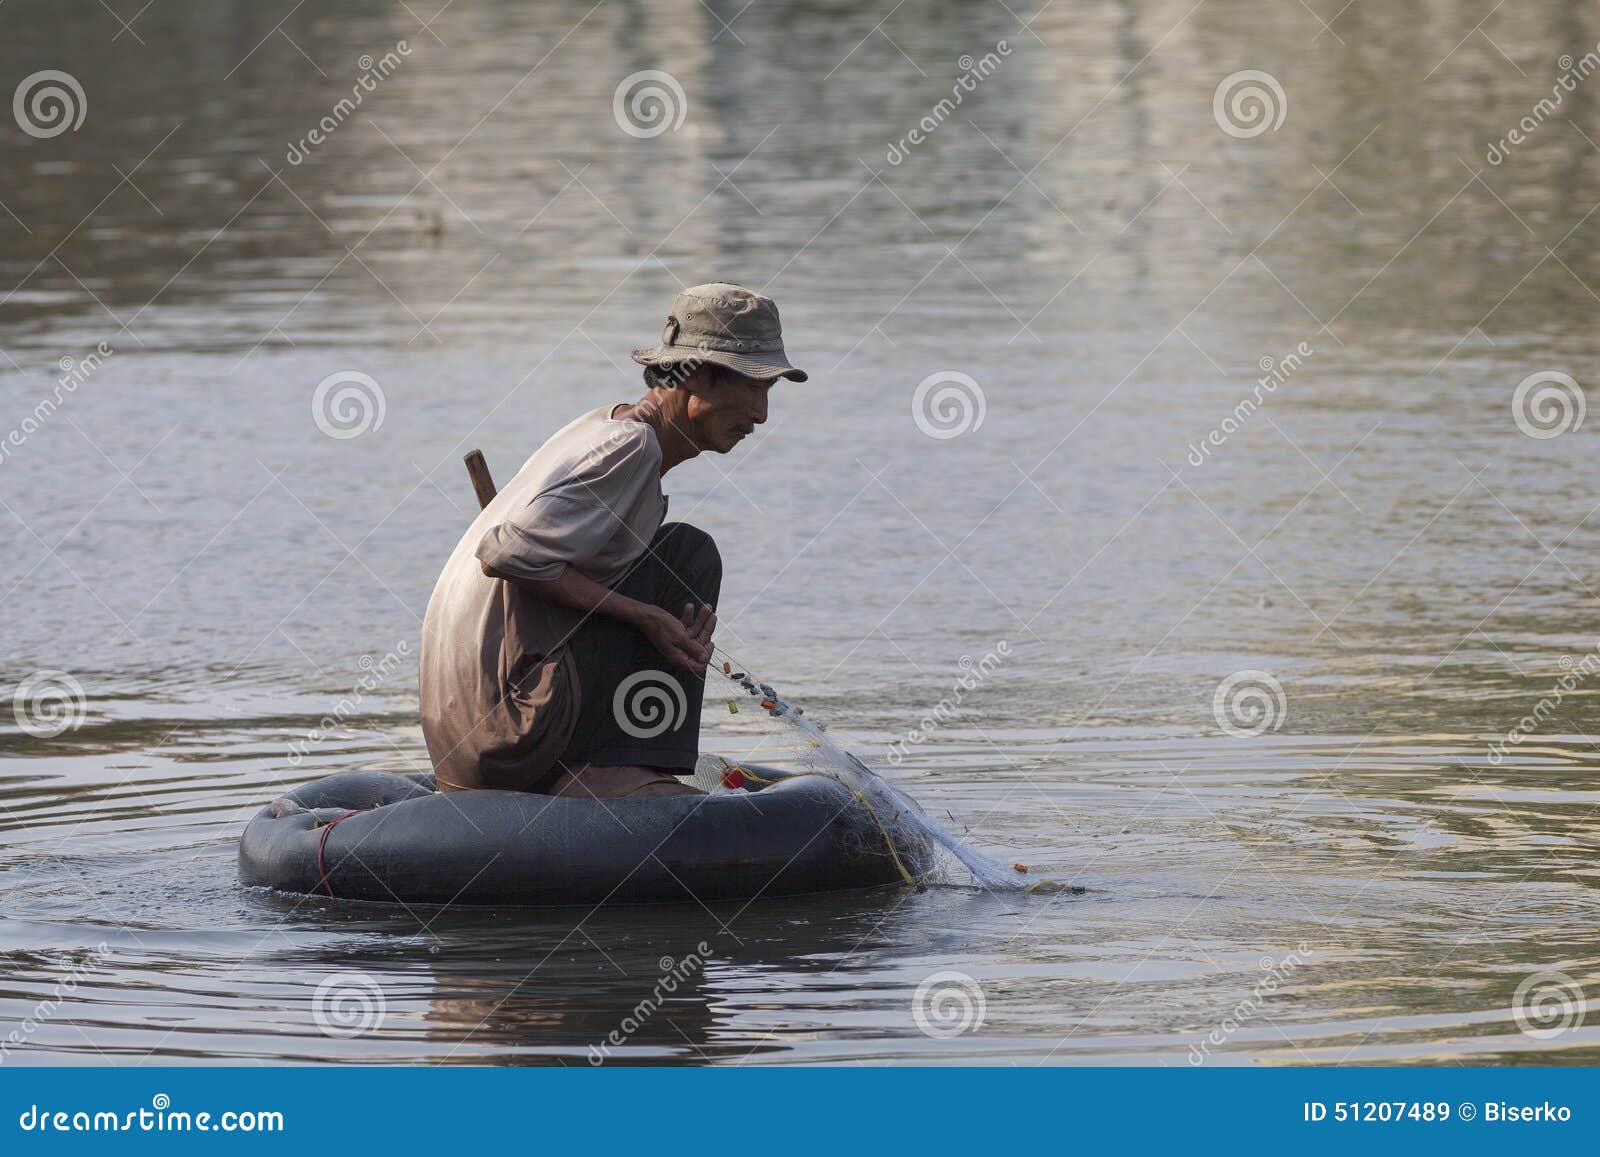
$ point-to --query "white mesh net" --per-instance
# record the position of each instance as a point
(904, 823)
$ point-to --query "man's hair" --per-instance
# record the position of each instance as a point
(662, 378)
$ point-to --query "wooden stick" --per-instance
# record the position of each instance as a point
(478, 470)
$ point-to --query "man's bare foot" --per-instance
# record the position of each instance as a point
(591, 781)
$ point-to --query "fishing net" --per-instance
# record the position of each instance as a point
(907, 827)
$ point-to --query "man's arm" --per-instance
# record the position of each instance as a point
(684, 640)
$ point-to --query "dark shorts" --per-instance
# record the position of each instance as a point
(635, 708)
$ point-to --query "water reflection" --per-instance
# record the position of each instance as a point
(640, 985)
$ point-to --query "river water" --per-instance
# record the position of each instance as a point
(1402, 572)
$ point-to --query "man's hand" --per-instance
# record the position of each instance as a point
(685, 640)
(701, 624)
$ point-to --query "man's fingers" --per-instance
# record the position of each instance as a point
(689, 646)
(689, 651)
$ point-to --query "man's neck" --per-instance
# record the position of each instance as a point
(676, 445)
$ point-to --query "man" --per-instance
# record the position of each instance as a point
(565, 645)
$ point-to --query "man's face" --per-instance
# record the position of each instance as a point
(725, 407)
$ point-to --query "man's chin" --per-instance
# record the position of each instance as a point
(722, 446)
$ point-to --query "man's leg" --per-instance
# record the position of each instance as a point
(638, 712)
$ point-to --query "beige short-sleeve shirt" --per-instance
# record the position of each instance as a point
(498, 689)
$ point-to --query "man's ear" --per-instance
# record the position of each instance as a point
(699, 382)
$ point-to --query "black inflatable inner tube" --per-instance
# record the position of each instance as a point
(406, 843)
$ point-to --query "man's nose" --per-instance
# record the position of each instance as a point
(760, 414)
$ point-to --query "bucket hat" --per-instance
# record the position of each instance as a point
(726, 325)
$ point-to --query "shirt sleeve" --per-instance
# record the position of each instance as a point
(573, 521)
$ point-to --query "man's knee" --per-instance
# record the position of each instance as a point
(692, 546)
